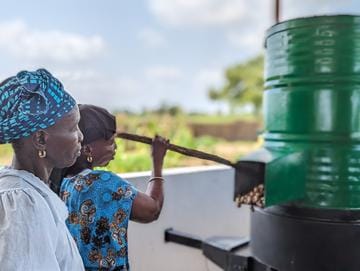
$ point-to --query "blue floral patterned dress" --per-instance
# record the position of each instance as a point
(99, 204)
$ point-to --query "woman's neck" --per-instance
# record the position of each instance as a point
(77, 168)
(35, 166)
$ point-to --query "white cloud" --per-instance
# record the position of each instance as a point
(294, 9)
(197, 87)
(126, 92)
(250, 34)
(198, 12)
(94, 87)
(243, 23)
(152, 38)
(163, 73)
(22, 41)
(230, 12)
(252, 42)
(77, 75)
(207, 78)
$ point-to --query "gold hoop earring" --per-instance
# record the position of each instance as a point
(42, 153)
(89, 158)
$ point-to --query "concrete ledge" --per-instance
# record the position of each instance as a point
(199, 201)
(175, 171)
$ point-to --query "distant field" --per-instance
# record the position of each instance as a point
(206, 119)
(5, 154)
(132, 156)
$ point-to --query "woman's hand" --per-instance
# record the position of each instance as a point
(158, 152)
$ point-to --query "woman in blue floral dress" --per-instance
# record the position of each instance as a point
(100, 202)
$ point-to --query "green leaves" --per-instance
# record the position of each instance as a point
(243, 86)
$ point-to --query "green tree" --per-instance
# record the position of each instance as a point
(243, 85)
(172, 110)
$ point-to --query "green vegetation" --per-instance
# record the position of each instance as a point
(243, 86)
(5, 154)
(215, 119)
(132, 156)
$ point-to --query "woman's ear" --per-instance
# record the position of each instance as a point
(39, 140)
(86, 150)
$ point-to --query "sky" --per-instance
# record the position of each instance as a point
(137, 54)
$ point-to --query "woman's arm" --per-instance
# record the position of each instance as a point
(147, 206)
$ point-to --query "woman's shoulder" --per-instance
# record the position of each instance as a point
(105, 175)
(16, 192)
(90, 175)
(11, 183)
(94, 178)
(16, 185)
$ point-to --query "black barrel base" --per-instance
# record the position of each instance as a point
(288, 239)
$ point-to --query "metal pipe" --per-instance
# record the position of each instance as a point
(277, 11)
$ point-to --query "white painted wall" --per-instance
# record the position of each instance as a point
(197, 201)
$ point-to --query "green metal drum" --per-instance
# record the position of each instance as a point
(312, 112)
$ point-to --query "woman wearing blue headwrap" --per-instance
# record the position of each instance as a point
(40, 119)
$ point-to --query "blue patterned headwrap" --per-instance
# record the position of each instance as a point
(31, 101)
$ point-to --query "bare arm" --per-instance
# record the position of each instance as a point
(147, 206)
